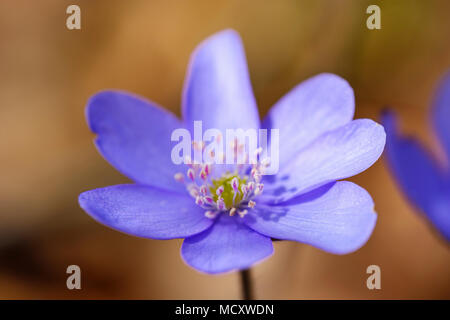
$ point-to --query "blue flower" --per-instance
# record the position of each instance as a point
(229, 218)
(424, 180)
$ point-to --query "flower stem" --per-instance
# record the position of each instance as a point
(246, 285)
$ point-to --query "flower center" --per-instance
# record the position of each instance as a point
(231, 193)
(228, 194)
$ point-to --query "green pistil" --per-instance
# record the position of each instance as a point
(228, 192)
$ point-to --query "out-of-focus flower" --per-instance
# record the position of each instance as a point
(229, 217)
(425, 181)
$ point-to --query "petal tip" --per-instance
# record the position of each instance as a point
(216, 271)
(362, 240)
(95, 105)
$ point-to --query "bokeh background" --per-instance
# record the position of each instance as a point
(47, 155)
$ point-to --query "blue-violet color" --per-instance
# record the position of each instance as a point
(423, 178)
(319, 144)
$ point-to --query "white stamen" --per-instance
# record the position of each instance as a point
(204, 190)
(199, 201)
(208, 199)
(235, 184)
(242, 213)
(244, 189)
(179, 177)
(210, 214)
(259, 188)
(190, 174)
(265, 162)
(221, 204)
(193, 192)
(207, 169)
(219, 190)
(242, 194)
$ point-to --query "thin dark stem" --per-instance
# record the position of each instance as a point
(246, 282)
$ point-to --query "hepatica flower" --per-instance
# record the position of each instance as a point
(425, 181)
(228, 218)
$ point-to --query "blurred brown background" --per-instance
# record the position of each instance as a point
(47, 156)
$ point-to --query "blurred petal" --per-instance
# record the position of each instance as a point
(145, 211)
(134, 135)
(439, 214)
(217, 88)
(335, 155)
(424, 184)
(338, 218)
(412, 166)
(441, 114)
(319, 104)
(228, 245)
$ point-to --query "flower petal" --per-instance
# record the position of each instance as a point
(145, 211)
(338, 218)
(419, 177)
(218, 90)
(134, 135)
(335, 155)
(441, 114)
(439, 214)
(228, 245)
(412, 166)
(319, 104)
